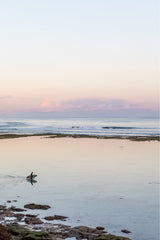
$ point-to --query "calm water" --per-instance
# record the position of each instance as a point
(91, 126)
(112, 183)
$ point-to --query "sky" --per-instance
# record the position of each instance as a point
(79, 58)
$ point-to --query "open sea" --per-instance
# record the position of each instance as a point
(88, 126)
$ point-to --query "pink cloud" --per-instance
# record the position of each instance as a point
(47, 103)
(90, 104)
(96, 106)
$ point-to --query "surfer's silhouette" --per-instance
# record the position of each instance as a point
(31, 178)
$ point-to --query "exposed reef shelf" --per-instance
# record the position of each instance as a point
(60, 135)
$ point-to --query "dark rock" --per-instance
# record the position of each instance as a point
(87, 229)
(56, 217)
(19, 216)
(31, 215)
(8, 201)
(2, 207)
(125, 231)
(15, 209)
(100, 228)
(16, 229)
(111, 237)
(5, 212)
(49, 218)
(4, 234)
(59, 232)
(82, 232)
(36, 206)
(33, 220)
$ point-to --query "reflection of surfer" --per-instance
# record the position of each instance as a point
(31, 180)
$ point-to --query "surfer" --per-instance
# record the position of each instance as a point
(31, 176)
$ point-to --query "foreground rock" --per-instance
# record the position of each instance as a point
(33, 220)
(83, 232)
(19, 216)
(21, 233)
(60, 232)
(4, 234)
(36, 206)
(111, 237)
(36, 229)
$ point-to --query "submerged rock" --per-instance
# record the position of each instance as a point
(31, 215)
(125, 231)
(36, 206)
(56, 217)
(100, 228)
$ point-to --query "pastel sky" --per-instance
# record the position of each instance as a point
(66, 57)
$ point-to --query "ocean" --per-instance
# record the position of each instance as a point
(88, 126)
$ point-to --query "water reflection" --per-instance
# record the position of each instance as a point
(31, 181)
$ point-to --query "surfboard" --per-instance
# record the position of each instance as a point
(33, 176)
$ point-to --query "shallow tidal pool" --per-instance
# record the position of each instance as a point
(94, 182)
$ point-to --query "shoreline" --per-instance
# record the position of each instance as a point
(61, 135)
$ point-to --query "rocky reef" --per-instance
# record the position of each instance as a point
(21, 226)
(61, 135)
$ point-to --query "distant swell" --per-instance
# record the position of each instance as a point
(119, 127)
(88, 126)
(16, 124)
